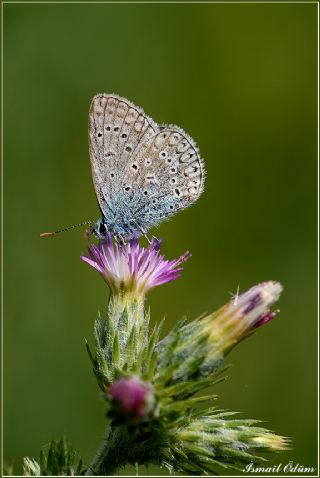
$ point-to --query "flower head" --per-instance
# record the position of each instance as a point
(199, 347)
(243, 314)
(132, 268)
(132, 396)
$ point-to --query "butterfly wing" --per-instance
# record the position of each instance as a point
(168, 174)
(116, 128)
(142, 173)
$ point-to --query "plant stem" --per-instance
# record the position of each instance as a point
(121, 447)
(105, 461)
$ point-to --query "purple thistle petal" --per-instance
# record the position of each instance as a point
(138, 268)
(134, 240)
(156, 243)
(252, 303)
(265, 318)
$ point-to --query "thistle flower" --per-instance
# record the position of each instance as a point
(198, 348)
(217, 439)
(152, 388)
(130, 268)
(132, 396)
(243, 314)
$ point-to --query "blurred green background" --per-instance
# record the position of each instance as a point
(241, 79)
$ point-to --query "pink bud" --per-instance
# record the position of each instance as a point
(132, 395)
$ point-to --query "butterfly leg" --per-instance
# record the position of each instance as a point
(119, 239)
(147, 238)
(144, 232)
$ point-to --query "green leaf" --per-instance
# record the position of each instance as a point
(146, 360)
(185, 389)
(93, 360)
(116, 352)
(129, 354)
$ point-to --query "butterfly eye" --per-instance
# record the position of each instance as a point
(123, 135)
(173, 180)
(108, 128)
(177, 192)
(148, 162)
(173, 170)
(134, 166)
(128, 149)
(111, 175)
(102, 229)
(145, 193)
(99, 134)
(171, 207)
(127, 188)
(169, 160)
(154, 201)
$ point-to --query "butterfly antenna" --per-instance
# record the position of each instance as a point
(49, 234)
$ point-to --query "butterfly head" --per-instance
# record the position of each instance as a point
(100, 229)
(121, 228)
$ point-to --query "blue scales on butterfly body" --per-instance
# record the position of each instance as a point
(143, 173)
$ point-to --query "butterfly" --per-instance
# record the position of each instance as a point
(143, 172)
